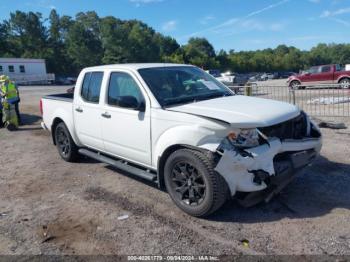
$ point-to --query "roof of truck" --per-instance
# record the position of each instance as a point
(135, 66)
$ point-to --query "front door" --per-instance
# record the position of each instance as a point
(126, 131)
(87, 111)
(318, 75)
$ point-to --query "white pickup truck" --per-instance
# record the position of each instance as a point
(179, 127)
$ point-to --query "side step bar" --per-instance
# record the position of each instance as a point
(119, 164)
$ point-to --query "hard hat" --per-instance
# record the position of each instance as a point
(4, 78)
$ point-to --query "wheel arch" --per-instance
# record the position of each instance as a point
(294, 80)
(55, 122)
(167, 152)
(343, 77)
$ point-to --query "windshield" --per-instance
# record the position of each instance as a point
(182, 84)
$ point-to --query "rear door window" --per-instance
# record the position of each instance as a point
(91, 87)
(325, 69)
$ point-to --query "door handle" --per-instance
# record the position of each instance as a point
(79, 110)
(106, 115)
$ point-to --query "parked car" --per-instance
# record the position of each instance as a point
(227, 78)
(179, 127)
(264, 77)
(324, 74)
(65, 80)
(214, 72)
(241, 79)
(271, 76)
(282, 74)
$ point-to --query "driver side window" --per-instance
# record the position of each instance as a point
(314, 70)
(122, 85)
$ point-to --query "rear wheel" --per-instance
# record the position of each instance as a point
(65, 144)
(345, 83)
(193, 184)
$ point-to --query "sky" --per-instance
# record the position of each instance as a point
(227, 24)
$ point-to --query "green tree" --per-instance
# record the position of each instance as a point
(4, 48)
(27, 35)
(114, 37)
(142, 46)
(198, 51)
(69, 44)
(83, 44)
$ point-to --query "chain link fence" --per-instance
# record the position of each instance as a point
(317, 100)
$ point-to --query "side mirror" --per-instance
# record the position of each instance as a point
(141, 107)
(131, 102)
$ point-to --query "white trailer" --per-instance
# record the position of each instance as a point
(25, 70)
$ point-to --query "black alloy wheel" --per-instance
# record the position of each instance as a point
(65, 144)
(192, 182)
(188, 183)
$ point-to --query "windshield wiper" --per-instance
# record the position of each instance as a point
(213, 95)
(182, 100)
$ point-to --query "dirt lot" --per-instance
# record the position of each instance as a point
(48, 206)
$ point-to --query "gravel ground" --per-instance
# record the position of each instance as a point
(48, 206)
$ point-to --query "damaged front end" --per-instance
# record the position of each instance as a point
(262, 161)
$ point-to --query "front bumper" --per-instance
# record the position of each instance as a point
(269, 165)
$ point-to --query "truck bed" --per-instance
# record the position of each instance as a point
(68, 97)
(57, 104)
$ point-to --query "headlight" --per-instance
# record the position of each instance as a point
(247, 138)
(244, 138)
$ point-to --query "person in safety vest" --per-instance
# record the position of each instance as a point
(1, 123)
(9, 97)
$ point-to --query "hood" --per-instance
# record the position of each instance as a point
(241, 111)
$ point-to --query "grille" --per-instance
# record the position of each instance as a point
(295, 128)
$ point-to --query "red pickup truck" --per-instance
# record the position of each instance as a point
(324, 74)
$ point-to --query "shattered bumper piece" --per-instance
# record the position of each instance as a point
(250, 172)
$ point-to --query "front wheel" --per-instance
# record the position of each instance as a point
(193, 184)
(295, 85)
(65, 144)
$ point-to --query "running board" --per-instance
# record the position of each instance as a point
(120, 164)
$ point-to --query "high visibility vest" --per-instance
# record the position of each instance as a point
(10, 92)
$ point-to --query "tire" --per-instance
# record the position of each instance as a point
(344, 83)
(295, 85)
(193, 184)
(66, 147)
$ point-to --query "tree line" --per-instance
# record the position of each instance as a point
(70, 44)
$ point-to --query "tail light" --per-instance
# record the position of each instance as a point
(41, 106)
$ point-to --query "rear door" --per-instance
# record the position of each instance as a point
(126, 131)
(326, 74)
(87, 111)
